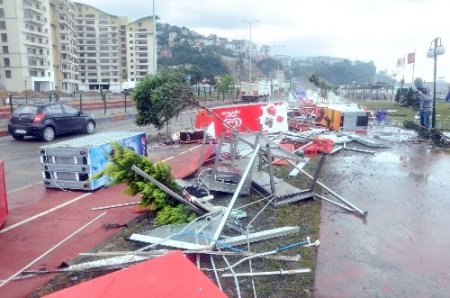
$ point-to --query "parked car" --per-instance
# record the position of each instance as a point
(49, 120)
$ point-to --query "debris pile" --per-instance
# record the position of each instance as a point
(237, 176)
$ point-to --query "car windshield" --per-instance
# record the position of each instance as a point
(25, 110)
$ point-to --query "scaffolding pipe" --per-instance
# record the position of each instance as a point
(233, 199)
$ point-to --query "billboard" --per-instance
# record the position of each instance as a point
(268, 117)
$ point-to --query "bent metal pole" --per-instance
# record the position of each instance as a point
(362, 213)
(235, 195)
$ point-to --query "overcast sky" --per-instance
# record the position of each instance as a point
(368, 30)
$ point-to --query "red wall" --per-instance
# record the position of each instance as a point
(3, 202)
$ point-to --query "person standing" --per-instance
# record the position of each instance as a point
(424, 106)
(447, 97)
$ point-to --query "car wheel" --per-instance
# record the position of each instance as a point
(48, 134)
(90, 127)
(18, 137)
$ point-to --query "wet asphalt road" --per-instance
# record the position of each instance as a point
(22, 158)
(402, 248)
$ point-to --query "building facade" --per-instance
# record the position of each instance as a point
(68, 46)
(26, 46)
(140, 49)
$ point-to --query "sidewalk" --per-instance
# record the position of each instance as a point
(39, 219)
(401, 249)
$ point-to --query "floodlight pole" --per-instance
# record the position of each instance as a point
(250, 47)
(433, 52)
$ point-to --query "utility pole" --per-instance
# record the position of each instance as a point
(250, 50)
(155, 45)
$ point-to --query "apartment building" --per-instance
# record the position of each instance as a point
(26, 48)
(64, 42)
(140, 48)
(99, 48)
(64, 45)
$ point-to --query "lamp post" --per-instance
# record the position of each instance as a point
(278, 60)
(433, 52)
(26, 92)
(155, 45)
(250, 51)
(277, 76)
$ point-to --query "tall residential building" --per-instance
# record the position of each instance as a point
(64, 45)
(26, 48)
(99, 48)
(140, 48)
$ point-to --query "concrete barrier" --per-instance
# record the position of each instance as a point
(3, 197)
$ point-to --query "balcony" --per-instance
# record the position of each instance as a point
(30, 7)
(36, 33)
(36, 55)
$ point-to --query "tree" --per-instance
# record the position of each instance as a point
(162, 96)
(225, 85)
(118, 169)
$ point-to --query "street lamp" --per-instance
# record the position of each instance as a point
(433, 52)
(26, 92)
(155, 45)
(278, 60)
(250, 51)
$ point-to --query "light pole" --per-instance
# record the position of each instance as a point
(278, 60)
(250, 51)
(26, 92)
(433, 52)
(155, 45)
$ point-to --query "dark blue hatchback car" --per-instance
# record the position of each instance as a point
(49, 120)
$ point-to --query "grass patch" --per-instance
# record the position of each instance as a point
(407, 113)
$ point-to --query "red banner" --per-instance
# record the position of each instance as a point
(411, 58)
(266, 117)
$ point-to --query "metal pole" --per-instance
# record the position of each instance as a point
(250, 54)
(81, 103)
(234, 198)
(26, 92)
(11, 104)
(250, 47)
(167, 190)
(155, 46)
(125, 95)
(433, 117)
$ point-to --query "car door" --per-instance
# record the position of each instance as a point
(75, 122)
(56, 115)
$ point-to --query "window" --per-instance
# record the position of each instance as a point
(5, 50)
(2, 25)
(8, 74)
(69, 109)
(2, 13)
(54, 109)
(6, 62)
(4, 37)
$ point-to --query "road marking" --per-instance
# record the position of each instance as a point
(169, 158)
(43, 213)
(50, 250)
(193, 148)
(24, 187)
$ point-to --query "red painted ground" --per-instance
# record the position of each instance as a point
(20, 246)
(185, 159)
